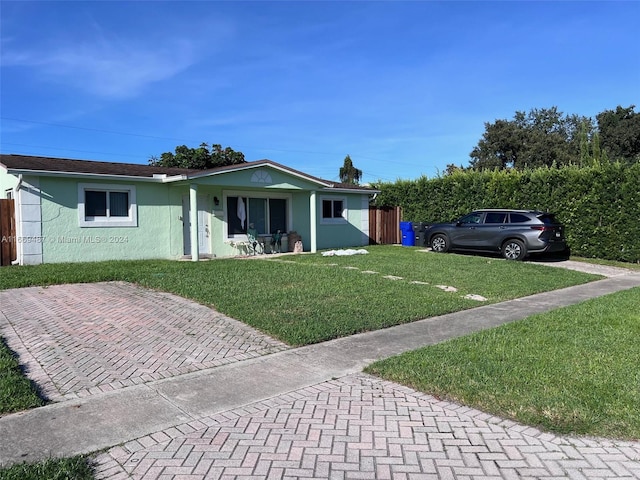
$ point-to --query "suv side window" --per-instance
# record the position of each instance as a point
(519, 218)
(495, 217)
(471, 218)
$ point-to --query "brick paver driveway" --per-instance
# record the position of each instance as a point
(75, 340)
(360, 427)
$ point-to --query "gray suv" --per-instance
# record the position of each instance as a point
(513, 233)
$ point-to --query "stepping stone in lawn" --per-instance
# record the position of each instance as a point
(447, 288)
(477, 298)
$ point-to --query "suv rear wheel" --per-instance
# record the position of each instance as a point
(439, 243)
(514, 249)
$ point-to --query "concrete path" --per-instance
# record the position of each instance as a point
(309, 413)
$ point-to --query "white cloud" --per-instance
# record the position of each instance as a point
(114, 68)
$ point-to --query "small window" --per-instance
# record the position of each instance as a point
(519, 218)
(107, 205)
(333, 210)
(548, 219)
(471, 218)
(495, 217)
(95, 204)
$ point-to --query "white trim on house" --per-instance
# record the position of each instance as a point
(131, 220)
(257, 165)
(343, 218)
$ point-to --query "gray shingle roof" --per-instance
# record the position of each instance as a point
(64, 165)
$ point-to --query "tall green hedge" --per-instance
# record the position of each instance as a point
(600, 205)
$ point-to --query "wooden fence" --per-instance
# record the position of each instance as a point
(7, 232)
(384, 225)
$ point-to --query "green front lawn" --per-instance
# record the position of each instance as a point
(305, 299)
(573, 370)
(75, 468)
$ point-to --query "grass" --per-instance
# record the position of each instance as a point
(307, 299)
(570, 371)
(74, 468)
(16, 391)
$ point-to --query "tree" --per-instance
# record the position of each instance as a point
(542, 137)
(620, 133)
(201, 158)
(348, 173)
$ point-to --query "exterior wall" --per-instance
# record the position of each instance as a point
(364, 219)
(29, 222)
(65, 241)
(47, 208)
(301, 219)
(7, 182)
(260, 182)
(259, 178)
(344, 234)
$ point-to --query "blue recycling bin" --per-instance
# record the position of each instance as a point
(408, 236)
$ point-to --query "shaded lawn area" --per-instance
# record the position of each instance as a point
(304, 299)
(16, 391)
(572, 371)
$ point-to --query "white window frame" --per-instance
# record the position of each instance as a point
(334, 220)
(131, 220)
(247, 195)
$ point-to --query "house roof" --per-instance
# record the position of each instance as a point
(50, 165)
(64, 165)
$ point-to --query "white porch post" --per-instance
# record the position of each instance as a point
(193, 220)
(313, 221)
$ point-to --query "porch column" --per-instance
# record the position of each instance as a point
(313, 221)
(193, 221)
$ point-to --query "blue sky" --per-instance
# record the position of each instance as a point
(404, 88)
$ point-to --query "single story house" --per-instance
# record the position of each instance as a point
(79, 210)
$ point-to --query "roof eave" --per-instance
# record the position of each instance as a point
(351, 190)
(101, 176)
(258, 164)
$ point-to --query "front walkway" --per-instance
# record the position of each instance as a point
(82, 339)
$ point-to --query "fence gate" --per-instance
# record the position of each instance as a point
(7, 232)
(384, 225)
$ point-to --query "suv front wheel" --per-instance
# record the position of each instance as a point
(439, 243)
(514, 249)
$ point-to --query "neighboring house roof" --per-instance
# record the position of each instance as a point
(26, 164)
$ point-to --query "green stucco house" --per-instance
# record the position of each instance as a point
(79, 210)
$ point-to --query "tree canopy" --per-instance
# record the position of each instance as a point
(348, 173)
(620, 133)
(202, 158)
(547, 137)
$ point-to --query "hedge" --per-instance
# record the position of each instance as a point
(599, 205)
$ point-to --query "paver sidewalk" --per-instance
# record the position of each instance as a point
(360, 427)
(273, 416)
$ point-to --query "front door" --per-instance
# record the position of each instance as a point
(204, 230)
